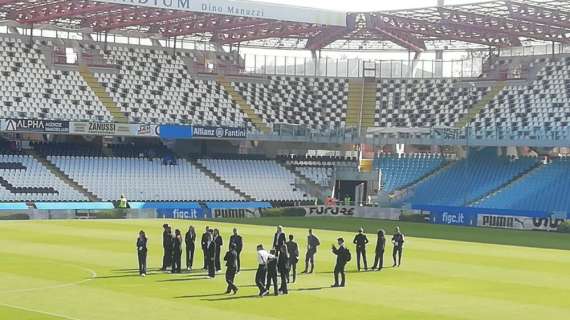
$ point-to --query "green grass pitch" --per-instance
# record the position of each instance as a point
(83, 270)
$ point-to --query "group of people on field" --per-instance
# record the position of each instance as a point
(277, 267)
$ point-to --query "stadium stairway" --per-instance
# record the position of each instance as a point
(244, 106)
(479, 106)
(62, 176)
(219, 180)
(361, 94)
(508, 184)
(102, 95)
(308, 186)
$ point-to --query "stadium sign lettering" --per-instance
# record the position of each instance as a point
(235, 213)
(329, 211)
(453, 218)
(219, 132)
(547, 223)
(246, 9)
(96, 127)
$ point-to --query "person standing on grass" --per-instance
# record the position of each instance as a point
(210, 253)
(360, 240)
(231, 259)
(398, 241)
(278, 239)
(190, 240)
(237, 240)
(203, 244)
(293, 251)
(260, 276)
(380, 245)
(142, 252)
(167, 246)
(312, 244)
(342, 258)
(177, 252)
(272, 273)
(283, 266)
(218, 244)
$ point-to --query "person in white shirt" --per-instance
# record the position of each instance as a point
(262, 258)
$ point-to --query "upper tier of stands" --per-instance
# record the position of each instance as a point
(318, 103)
(423, 103)
(28, 89)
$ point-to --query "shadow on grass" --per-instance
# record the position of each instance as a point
(253, 296)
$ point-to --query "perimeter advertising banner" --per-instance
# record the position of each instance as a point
(34, 126)
(243, 8)
(546, 223)
(114, 129)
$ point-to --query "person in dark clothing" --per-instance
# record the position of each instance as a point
(231, 259)
(312, 244)
(177, 252)
(293, 251)
(218, 244)
(210, 255)
(398, 241)
(142, 252)
(272, 273)
(237, 240)
(380, 245)
(167, 246)
(278, 239)
(283, 266)
(342, 258)
(190, 240)
(263, 258)
(360, 240)
(203, 243)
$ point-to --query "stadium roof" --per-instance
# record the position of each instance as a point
(493, 23)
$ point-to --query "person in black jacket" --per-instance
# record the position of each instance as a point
(167, 246)
(203, 243)
(293, 251)
(278, 239)
(210, 253)
(360, 240)
(272, 273)
(219, 243)
(142, 252)
(380, 245)
(312, 244)
(231, 268)
(283, 266)
(190, 240)
(177, 252)
(342, 257)
(237, 240)
(398, 241)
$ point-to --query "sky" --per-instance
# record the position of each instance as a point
(367, 5)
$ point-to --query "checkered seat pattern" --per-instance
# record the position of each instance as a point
(418, 103)
(318, 103)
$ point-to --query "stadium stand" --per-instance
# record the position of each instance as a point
(318, 103)
(23, 178)
(141, 180)
(423, 103)
(401, 171)
(543, 189)
(155, 86)
(264, 180)
(471, 179)
(31, 90)
(541, 105)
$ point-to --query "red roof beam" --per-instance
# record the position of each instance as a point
(512, 28)
(274, 30)
(65, 9)
(131, 18)
(211, 25)
(8, 2)
(325, 37)
(537, 14)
